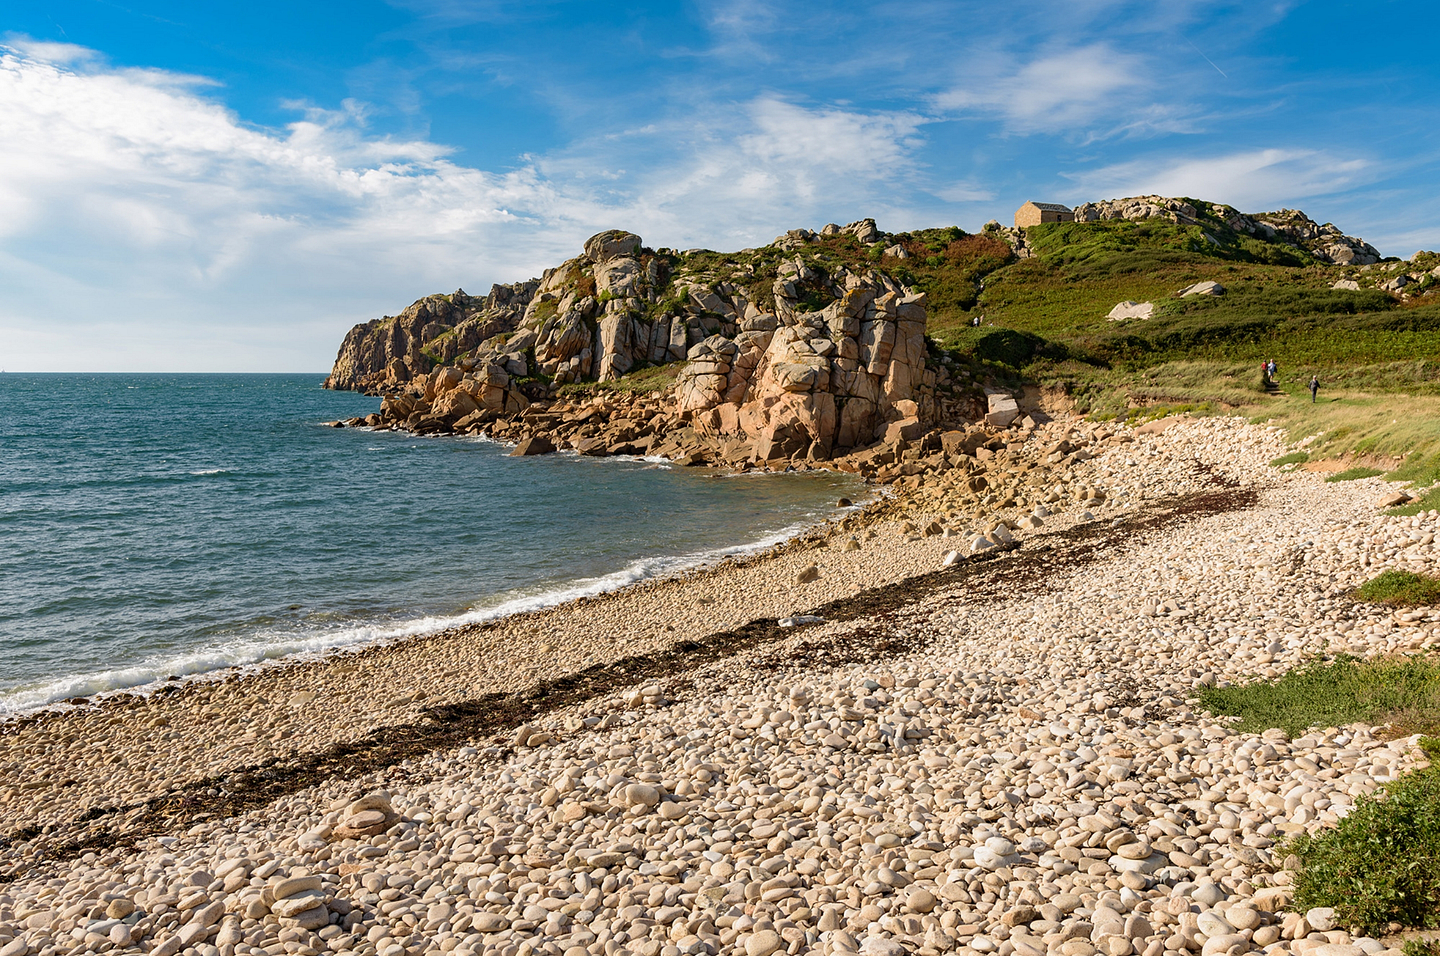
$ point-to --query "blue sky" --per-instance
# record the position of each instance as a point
(228, 187)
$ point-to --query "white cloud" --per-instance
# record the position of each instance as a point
(179, 226)
(965, 191)
(1057, 92)
(836, 139)
(1254, 180)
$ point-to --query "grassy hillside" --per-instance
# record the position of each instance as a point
(1043, 320)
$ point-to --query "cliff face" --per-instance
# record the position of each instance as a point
(435, 330)
(795, 356)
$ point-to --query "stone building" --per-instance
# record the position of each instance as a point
(1034, 213)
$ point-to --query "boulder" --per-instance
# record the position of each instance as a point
(534, 445)
(1003, 410)
(1130, 309)
(1348, 284)
(1208, 287)
(611, 243)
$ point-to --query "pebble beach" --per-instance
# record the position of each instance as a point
(920, 728)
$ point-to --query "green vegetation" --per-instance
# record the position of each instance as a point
(1294, 458)
(1403, 692)
(651, 378)
(1381, 863)
(1400, 587)
(1420, 947)
(1351, 474)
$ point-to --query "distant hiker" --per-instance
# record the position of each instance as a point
(1273, 370)
(1265, 374)
(1314, 387)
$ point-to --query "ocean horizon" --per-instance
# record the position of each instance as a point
(160, 524)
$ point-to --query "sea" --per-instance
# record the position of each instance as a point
(157, 526)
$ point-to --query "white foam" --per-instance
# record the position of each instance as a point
(212, 471)
(276, 646)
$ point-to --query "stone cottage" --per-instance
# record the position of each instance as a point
(1034, 213)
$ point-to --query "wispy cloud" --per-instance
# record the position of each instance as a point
(1057, 92)
(1257, 179)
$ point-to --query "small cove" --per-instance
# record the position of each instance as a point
(156, 525)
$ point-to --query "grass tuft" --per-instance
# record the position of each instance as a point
(1403, 691)
(1351, 474)
(1294, 458)
(1403, 588)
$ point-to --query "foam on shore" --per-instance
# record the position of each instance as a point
(275, 646)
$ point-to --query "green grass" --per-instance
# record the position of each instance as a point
(1353, 474)
(1381, 863)
(1403, 691)
(652, 378)
(1402, 588)
(1294, 458)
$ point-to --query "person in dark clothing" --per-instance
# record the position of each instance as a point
(1314, 387)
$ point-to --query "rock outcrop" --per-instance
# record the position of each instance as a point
(788, 356)
(1288, 226)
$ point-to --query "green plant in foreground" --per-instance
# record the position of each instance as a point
(1420, 947)
(1351, 474)
(1294, 458)
(1403, 692)
(1381, 863)
(1400, 587)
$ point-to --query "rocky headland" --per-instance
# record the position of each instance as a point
(776, 359)
(812, 351)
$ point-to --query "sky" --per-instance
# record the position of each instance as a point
(230, 187)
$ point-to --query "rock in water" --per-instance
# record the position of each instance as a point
(537, 445)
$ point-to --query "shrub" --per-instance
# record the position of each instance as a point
(1381, 864)
(1294, 458)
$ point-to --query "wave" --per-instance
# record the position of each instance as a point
(211, 471)
(271, 647)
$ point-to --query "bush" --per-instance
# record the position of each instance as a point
(1381, 864)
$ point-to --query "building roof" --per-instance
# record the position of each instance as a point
(1050, 206)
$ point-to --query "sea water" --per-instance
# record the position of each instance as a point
(159, 525)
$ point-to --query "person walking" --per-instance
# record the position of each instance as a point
(1314, 387)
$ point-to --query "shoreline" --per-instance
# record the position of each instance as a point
(392, 683)
(629, 575)
(1064, 659)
